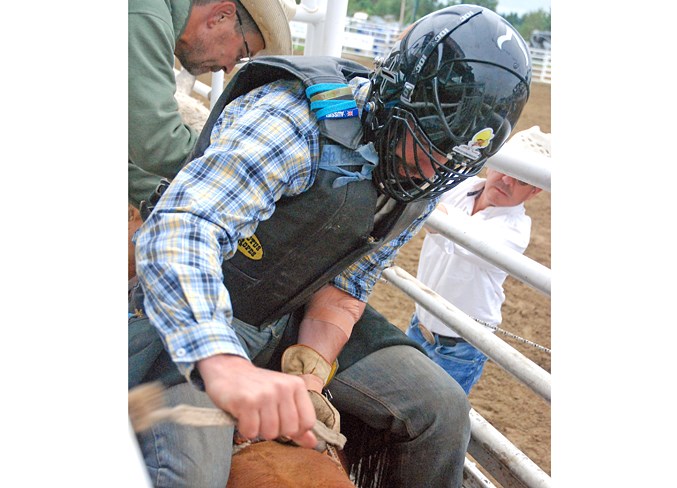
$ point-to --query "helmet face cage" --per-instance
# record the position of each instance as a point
(447, 99)
(423, 175)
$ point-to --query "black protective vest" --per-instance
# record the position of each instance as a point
(312, 237)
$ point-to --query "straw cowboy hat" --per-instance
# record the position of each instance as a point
(272, 18)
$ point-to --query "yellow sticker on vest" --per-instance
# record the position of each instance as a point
(250, 247)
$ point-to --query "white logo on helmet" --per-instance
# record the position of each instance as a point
(433, 42)
(479, 141)
(508, 36)
(465, 16)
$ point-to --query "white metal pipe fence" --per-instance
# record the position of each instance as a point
(490, 448)
(476, 334)
(322, 37)
(542, 64)
(495, 453)
(534, 170)
(518, 265)
(473, 477)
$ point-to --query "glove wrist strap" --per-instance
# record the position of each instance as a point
(306, 362)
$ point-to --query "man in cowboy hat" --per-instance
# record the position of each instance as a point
(205, 35)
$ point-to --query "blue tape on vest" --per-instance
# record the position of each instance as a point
(331, 108)
(344, 114)
(325, 107)
(321, 87)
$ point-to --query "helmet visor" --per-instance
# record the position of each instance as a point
(455, 110)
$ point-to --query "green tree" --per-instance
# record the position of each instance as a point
(381, 8)
(490, 4)
(413, 9)
(514, 19)
(538, 20)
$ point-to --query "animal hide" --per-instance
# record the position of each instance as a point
(271, 464)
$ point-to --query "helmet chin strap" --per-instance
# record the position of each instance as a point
(369, 119)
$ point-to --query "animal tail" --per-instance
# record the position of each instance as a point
(369, 455)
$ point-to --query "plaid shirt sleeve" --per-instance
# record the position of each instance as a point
(359, 278)
(264, 146)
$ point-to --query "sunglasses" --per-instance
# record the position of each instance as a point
(246, 46)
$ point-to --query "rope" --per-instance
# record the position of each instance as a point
(502, 331)
(205, 417)
(145, 410)
(333, 455)
(522, 339)
(514, 336)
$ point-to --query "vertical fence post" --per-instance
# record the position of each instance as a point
(337, 10)
(323, 38)
(314, 43)
(217, 88)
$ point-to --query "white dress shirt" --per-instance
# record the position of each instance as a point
(464, 279)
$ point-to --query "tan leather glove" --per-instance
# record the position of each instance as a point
(316, 372)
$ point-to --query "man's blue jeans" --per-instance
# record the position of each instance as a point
(396, 389)
(463, 361)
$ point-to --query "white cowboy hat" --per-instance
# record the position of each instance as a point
(272, 18)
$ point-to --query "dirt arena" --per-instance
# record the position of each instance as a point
(518, 413)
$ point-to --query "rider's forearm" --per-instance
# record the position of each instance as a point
(328, 322)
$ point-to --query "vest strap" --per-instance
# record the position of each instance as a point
(334, 157)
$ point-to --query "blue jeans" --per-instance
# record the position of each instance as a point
(397, 389)
(184, 456)
(463, 361)
(421, 408)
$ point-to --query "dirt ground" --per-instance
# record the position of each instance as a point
(512, 408)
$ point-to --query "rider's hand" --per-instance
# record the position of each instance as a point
(266, 403)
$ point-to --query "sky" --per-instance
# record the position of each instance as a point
(521, 7)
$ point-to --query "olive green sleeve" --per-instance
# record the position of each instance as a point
(158, 139)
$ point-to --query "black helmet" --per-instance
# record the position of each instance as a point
(445, 99)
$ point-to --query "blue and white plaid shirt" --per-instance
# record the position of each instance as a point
(264, 146)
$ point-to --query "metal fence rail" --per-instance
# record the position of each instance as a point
(479, 336)
(518, 265)
(493, 451)
(541, 62)
(360, 38)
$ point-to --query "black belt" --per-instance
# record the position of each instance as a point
(443, 340)
(449, 341)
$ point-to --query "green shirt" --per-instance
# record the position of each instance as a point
(158, 139)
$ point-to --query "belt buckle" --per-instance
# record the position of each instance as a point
(427, 335)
